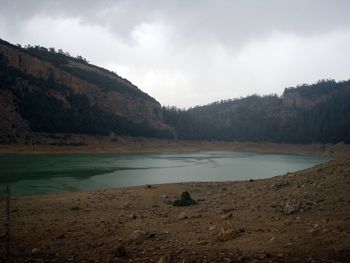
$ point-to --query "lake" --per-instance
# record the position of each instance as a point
(46, 173)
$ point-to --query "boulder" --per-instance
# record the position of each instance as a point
(185, 200)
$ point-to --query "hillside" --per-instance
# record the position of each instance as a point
(304, 114)
(48, 91)
(44, 91)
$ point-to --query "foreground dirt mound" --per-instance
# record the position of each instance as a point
(301, 217)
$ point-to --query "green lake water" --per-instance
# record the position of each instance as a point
(45, 173)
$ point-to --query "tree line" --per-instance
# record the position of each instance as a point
(323, 118)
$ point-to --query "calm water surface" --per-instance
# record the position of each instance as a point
(35, 174)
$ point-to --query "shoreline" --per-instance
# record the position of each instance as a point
(124, 145)
(285, 218)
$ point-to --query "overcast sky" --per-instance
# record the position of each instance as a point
(191, 52)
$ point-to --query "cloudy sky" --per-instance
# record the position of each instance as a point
(192, 52)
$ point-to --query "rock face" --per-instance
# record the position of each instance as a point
(42, 83)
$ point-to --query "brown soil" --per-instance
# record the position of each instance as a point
(300, 217)
(68, 143)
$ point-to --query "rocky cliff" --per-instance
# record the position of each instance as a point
(47, 91)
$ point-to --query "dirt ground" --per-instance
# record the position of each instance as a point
(63, 143)
(299, 217)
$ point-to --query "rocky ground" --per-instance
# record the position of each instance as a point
(70, 143)
(299, 217)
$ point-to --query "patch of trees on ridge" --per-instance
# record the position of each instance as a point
(269, 118)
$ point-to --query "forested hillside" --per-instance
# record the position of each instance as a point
(305, 114)
(48, 91)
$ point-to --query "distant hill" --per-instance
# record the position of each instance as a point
(47, 91)
(305, 114)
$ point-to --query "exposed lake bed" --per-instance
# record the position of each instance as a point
(284, 218)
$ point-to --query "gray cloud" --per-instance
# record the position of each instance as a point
(207, 50)
(231, 21)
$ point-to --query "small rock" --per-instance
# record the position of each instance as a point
(227, 210)
(289, 208)
(280, 185)
(119, 251)
(212, 228)
(138, 235)
(228, 233)
(226, 216)
(165, 259)
(132, 216)
(182, 216)
(35, 251)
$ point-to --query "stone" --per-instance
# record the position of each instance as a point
(185, 200)
(280, 185)
(182, 216)
(133, 216)
(35, 251)
(138, 235)
(165, 259)
(289, 208)
(227, 209)
(119, 251)
(227, 233)
(226, 216)
(212, 228)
